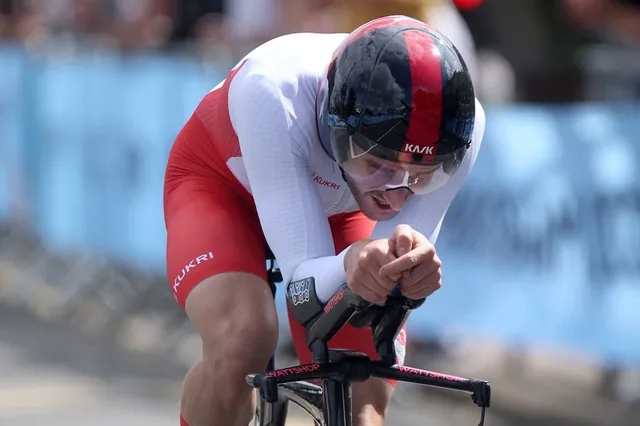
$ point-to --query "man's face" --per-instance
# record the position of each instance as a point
(370, 180)
(379, 205)
(381, 187)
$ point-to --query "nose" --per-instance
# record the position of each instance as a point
(397, 198)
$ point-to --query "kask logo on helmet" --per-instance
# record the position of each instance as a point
(395, 81)
(417, 149)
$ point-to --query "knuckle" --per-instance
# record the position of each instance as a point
(359, 276)
(379, 243)
(365, 260)
(372, 248)
(370, 263)
(436, 276)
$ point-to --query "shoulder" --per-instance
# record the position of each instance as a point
(278, 82)
(286, 62)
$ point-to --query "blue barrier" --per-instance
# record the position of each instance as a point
(543, 239)
(89, 138)
(541, 245)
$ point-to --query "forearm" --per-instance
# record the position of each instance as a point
(328, 273)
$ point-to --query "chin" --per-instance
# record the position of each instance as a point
(369, 206)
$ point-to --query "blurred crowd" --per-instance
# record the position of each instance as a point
(143, 24)
(139, 24)
(516, 50)
(125, 24)
(617, 19)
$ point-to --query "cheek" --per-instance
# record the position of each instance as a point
(363, 198)
(354, 187)
(358, 168)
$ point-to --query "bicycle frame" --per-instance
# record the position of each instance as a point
(330, 405)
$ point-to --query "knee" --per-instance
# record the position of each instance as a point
(243, 339)
(371, 400)
(237, 320)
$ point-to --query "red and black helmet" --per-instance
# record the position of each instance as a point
(400, 91)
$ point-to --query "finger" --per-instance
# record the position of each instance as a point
(385, 282)
(421, 272)
(384, 259)
(433, 281)
(410, 260)
(403, 238)
(380, 286)
(373, 267)
(396, 278)
(428, 285)
(366, 281)
(365, 286)
(392, 246)
(404, 276)
(419, 240)
(423, 292)
(369, 295)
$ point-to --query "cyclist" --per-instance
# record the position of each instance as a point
(342, 153)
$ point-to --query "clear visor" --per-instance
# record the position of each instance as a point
(419, 174)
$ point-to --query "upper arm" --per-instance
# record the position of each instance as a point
(425, 213)
(289, 206)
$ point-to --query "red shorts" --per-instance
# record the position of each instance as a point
(213, 227)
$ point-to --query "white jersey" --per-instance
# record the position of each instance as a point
(280, 160)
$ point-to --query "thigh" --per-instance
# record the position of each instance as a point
(212, 227)
(208, 233)
(217, 271)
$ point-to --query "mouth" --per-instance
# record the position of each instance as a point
(381, 203)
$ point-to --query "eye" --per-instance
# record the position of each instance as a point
(423, 174)
(372, 166)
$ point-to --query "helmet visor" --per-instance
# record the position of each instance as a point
(375, 167)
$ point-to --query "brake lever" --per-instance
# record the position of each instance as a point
(482, 398)
(482, 416)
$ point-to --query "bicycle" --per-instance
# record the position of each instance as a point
(330, 405)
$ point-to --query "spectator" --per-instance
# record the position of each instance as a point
(346, 15)
(620, 18)
(142, 23)
(189, 18)
(7, 18)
